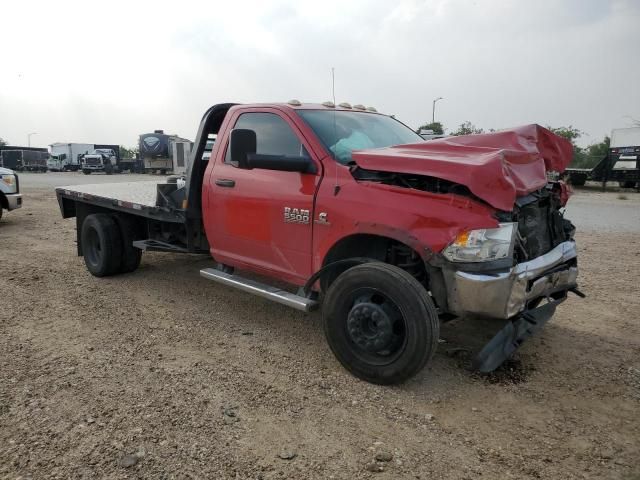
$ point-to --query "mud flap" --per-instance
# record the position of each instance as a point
(512, 336)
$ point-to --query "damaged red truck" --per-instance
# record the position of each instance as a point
(353, 210)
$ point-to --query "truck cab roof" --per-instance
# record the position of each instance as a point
(297, 105)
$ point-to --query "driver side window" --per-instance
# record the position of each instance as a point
(274, 136)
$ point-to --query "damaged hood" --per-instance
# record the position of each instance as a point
(496, 167)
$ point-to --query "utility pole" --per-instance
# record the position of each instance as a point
(29, 137)
(433, 110)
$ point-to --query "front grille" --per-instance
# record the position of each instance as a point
(541, 225)
(92, 161)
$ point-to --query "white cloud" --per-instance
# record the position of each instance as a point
(106, 72)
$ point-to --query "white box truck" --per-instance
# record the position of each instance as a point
(66, 156)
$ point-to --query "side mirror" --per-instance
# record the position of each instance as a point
(242, 143)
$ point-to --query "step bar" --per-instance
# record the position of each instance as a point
(269, 292)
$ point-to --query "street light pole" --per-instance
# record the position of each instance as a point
(29, 137)
(433, 110)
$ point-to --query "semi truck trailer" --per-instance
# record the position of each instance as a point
(30, 159)
(162, 153)
(351, 211)
(621, 164)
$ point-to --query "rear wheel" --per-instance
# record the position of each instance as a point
(628, 184)
(101, 244)
(380, 323)
(131, 255)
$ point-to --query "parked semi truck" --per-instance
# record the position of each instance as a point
(107, 159)
(30, 159)
(162, 153)
(621, 164)
(356, 212)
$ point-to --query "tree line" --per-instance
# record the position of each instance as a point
(583, 157)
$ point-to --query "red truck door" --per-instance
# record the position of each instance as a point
(263, 219)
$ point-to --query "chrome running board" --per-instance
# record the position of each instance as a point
(260, 289)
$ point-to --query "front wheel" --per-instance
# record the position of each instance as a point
(86, 172)
(380, 323)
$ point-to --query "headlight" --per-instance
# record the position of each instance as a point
(9, 180)
(482, 245)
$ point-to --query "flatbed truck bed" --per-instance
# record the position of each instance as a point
(135, 198)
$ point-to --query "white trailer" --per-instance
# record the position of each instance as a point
(164, 153)
(625, 146)
(66, 156)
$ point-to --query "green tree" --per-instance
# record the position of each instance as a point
(467, 128)
(572, 134)
(128, 152)
(3, 142)
(590, 156)
(599, 149)
(437, 128)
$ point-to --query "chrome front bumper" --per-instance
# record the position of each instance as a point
(505, 294)
(14, 200)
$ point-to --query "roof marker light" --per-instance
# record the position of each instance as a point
(329, 104)
(294, 102)
(345, 105)
(371, 109)
(359, 107)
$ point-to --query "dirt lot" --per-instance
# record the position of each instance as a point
(184, 378)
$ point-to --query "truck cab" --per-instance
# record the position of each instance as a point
(99, 160)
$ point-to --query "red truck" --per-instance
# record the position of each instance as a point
(345, 207)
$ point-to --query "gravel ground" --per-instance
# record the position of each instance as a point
(162, 374)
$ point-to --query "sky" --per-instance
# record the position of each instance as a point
(106, 72)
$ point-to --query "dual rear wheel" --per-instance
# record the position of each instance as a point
(107, 244)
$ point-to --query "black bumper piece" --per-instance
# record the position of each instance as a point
(512, 336)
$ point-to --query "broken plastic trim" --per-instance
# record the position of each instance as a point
(512, 336)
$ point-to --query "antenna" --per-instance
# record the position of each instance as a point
(336, 187)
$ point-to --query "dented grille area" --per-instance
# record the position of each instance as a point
(541, 224)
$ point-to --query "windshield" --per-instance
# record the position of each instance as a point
(343, 132)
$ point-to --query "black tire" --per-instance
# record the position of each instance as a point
(101, 244)
(628, 184)
(380, 323)
(131, 255)
(86, 172)
(108, 169)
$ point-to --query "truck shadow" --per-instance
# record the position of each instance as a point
(460, 339)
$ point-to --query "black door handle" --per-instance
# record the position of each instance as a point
(225, 182)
